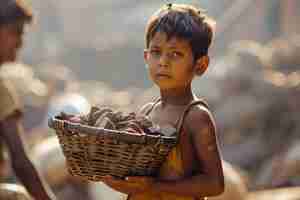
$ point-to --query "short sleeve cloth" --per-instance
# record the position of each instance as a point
(9, 102)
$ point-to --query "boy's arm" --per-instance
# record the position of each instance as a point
(209, 181)
(11, 131)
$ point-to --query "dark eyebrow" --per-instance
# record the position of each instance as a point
(154, 46)
(174, 47)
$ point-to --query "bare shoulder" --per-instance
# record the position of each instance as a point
(200, 120)
(201, 126)
(201, 114)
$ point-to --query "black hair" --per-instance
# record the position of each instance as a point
(182, 21)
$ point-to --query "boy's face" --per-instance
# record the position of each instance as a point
(10, 41)
(171, 62)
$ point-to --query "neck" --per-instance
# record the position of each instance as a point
(176, 97)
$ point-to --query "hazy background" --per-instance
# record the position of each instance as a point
(103, 40)
(81, 53)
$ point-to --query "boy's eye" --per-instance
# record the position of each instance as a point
(155, 52)
(176, 54)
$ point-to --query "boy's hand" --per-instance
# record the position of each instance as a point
(69, 117)
(74, 119)
(133, 184)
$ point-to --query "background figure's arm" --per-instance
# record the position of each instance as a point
(11, 133)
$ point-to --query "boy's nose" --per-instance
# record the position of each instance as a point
(164, 61)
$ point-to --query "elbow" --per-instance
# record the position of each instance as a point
(219, 187)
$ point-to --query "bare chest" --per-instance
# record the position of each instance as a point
(166, 118)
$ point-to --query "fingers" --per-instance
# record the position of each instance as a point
(132, 184)
(138, 179)
(133, 178)
(107, 178)
(128, 179)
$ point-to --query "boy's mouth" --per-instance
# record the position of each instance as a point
(163, 75)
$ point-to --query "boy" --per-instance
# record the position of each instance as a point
(177, 40)
(13, 17)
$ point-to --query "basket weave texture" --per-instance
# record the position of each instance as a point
(93, 152)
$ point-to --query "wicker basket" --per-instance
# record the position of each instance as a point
(92, 152)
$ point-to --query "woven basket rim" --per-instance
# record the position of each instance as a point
(67, 126)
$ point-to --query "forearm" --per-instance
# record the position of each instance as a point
(196, 186)
(32, 180)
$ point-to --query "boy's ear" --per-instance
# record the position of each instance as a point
(201, 65)
(146, 52)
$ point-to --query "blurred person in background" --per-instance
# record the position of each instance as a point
(253, 113)
(13, 192)
(34, 94)
(282, 119)
(243, 98)
(259, 114)
(14, 15)
(64, 185)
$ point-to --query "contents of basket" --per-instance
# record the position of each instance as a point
(106, 118)
(107, 142)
